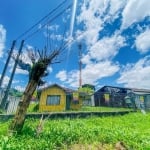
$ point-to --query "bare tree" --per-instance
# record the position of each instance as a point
(36, 73)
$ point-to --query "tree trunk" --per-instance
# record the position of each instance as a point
(18, 121)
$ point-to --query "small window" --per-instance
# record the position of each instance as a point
(53, 100)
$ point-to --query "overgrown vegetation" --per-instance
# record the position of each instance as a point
(132, 129)
(15, 93)
(101, 109)
(1, 111)
(33, 108)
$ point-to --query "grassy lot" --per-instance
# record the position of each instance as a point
(103, 109)
(34, 108)
(89, 133)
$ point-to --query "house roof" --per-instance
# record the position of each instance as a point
(112, 87)
(140, 91)
(134, 90)
(116, 87)
(67, 90)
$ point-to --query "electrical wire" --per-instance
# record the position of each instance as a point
(46, 16)
(51, 20)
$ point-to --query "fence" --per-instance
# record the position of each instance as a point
(12, 102)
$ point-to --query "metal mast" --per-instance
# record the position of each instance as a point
(80, 65)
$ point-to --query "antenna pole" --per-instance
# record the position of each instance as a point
(80, 65)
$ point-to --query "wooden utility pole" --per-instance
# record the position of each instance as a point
(7, 62)
(4, 100)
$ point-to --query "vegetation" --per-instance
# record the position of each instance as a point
(1, 111)
(103, 109)
(132, 129)
(15, 93)
(33, 108)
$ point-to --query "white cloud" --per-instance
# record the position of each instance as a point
(62, 75)
(116, 6)
(142, 41)
(101, 50)
(2, 39)
(94, 14)
(28, 50)
(92, 24)
(96, 71)
(135, 11)
(105, 48)
(71, 78)
(90, 74)
(97, 59)
(20, 88)
(50, 69)
(16, 81)
(20, 71)
(53, 27)
(24, 56)
(114, 10)
(58, 37)
(136, 75)
(5, 81)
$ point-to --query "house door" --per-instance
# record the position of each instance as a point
(147, 102)
(68, 102)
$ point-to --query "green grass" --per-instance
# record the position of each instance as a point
(132, 129)
(103, 109)
(33, 107)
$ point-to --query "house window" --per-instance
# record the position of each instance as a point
(53, 100)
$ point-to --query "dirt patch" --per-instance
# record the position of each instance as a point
(98, 146)
(91, 147)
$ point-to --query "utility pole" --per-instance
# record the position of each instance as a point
(7, 62)
(80, 65)
(4, 100)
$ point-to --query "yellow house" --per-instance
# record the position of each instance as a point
(57, 98)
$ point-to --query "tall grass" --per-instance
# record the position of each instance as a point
(103, 109)
(132, 129)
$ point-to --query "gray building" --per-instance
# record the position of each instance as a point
(122, 97)
(141, 97)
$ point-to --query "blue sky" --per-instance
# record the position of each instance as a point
(114, 35)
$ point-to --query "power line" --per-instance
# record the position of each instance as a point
(46, 16)
(30, 35)
(59, 14)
